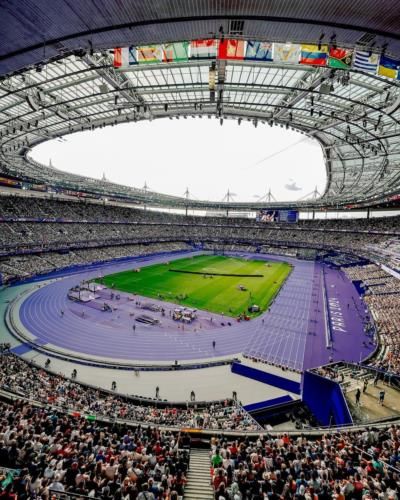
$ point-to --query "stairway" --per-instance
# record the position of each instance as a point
(198, 485)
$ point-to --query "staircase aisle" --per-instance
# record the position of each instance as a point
(198, 479)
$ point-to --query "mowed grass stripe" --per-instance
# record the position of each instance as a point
(218, 294)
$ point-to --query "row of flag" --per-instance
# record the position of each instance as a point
(315, 55)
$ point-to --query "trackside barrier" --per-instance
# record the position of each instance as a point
(269, 403)
(266, 378)
(325, 399)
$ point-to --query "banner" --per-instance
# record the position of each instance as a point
(340, 58)
(288, 53)
(314, 55)
(150, 54)
(366, 61)
(176, 52)
(388, 67)
(259, 51)
(231, 49)
(125, 57)
(203, 49)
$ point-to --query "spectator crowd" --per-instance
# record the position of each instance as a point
(360, 465)
(27, 381)
(382, 296)
(48, 453)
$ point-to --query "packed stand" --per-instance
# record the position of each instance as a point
(382, 296)
(49, 453)
(25, 380)
(59, 224)
(25, 266)
(349, 465)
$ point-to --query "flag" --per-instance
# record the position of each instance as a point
(203, 49)
(259, 51)
(148, 54)
(366, 61)
(340, 58)
(125, 57)
(388, 67)
(287, 53)
(314, 55)
(174, 52)
(231, 49)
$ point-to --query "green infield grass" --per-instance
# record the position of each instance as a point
(220, 284)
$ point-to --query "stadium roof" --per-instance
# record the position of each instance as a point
(61, 79)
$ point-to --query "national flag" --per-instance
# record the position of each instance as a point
(125, 57)
(366, 61)
(175, 52)
(315, 55)
(388, 66)
(231, 49)
(203, 49)
(259, 51)
(287, 53)
(340, 58)
(148, 54)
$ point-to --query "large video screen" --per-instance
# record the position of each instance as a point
(267, 216)
(290, 216)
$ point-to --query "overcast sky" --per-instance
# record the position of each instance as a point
(199, 154)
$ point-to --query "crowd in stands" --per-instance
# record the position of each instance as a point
(49, 453)
(33, 383)
(348, 465)
(74, 210)
(41, 236)
(73, 232)
(388, 252)
(24, 266)
(382, 296)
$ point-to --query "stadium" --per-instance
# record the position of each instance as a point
(157, 346)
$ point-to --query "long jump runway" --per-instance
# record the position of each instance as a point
(290, 334)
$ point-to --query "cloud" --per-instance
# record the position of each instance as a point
(292, 186)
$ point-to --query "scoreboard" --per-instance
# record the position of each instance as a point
(285, 216)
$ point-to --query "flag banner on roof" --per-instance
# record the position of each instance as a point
(150, 54)
(366, 61)
(259, 51)
(125, 57)
(203, 49)
(176, 52)
(314, 55)
(340, 58)
(231, 49)
(286, 53)
(388, 66)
